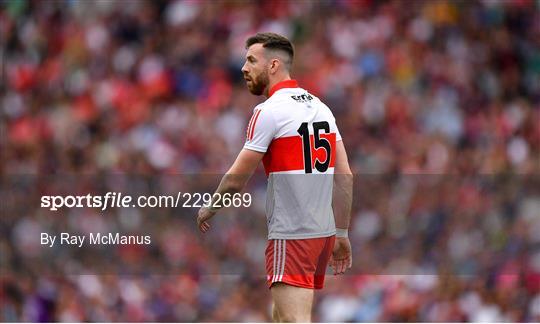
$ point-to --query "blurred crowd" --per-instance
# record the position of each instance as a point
(438, 103)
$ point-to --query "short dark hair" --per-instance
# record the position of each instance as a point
(273, 41)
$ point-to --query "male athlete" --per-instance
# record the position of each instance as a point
(309, 180)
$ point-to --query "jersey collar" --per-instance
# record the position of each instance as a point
(282, 85)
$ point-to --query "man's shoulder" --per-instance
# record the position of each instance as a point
(260, 106)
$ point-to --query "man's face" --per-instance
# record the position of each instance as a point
(255, 69)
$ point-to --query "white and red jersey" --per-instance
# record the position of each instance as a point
(298, 134)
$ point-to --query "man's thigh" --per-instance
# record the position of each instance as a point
(292, 304)
(298, 262)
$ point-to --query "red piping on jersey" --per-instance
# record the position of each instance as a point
(249, 124)
(252, 127)
(282, 85)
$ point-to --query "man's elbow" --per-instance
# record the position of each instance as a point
(235, 187)
(344, 178)
(234, 183)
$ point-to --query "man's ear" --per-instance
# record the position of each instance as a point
(274, 65)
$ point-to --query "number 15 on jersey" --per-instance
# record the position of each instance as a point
(313, 144)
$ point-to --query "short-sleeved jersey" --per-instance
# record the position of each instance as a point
(298, 134)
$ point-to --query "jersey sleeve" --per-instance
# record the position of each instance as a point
(338, 135)
(260, 131)
(334, 129)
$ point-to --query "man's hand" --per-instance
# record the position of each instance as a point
(341, 256)
(203, 217)
(232, 182)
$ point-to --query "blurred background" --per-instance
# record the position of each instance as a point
(438, 103)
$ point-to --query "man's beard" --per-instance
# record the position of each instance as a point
(259, 84)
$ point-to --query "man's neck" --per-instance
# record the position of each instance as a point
(272, 83)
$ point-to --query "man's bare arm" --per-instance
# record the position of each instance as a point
(232, 182)
(343, 185)
(341, 205)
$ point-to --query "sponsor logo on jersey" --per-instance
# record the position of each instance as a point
(303, 98)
